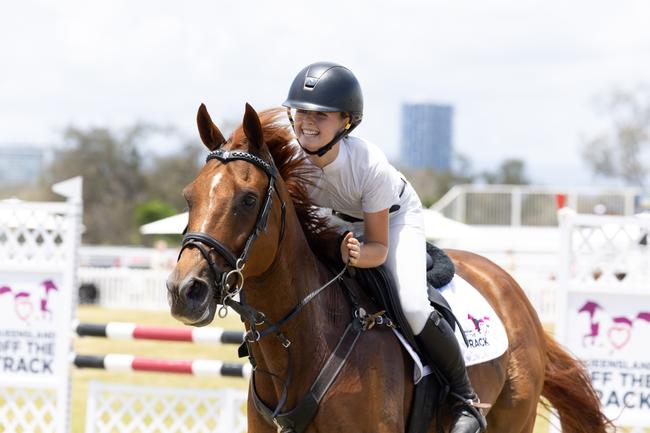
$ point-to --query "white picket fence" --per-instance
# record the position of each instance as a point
(115, 408)
(126, 288)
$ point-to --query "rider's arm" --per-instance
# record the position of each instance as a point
(374, 249)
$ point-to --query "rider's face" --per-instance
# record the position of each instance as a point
(316, 128)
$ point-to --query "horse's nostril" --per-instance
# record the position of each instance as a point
(196, 291)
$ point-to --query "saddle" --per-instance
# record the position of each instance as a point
(378, 283)
(380, 286)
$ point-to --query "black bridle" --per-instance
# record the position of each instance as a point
(230, 283)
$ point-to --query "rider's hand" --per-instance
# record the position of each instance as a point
(350, 249)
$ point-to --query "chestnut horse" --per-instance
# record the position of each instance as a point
(249, 206)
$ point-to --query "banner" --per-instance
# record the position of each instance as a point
(610, 333)
(32, 313)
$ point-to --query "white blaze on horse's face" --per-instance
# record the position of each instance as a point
(212, 202)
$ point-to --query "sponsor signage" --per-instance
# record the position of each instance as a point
(610, 333)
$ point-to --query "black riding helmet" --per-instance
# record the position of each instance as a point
(327, 87)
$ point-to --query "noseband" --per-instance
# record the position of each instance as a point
(231, 282)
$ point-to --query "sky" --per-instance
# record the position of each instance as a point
(523, 76)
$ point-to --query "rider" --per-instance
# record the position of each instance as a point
(358, 183)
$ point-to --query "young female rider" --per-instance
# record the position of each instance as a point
(355, 180)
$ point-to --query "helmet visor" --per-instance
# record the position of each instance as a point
(307, 105)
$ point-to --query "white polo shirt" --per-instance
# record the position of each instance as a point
(359, 180)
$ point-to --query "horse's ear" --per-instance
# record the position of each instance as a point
(210, 134)
(253, 127)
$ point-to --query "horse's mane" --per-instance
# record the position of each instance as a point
(295, 170)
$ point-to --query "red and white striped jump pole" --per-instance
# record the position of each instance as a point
(198, 367)
(133, 331)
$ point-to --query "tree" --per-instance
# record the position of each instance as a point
(510, 172)
(111, 168)
(152, 210)
(166, 176)
(618, 151)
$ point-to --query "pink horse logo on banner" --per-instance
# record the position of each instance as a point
(27, 303)
(616, 331)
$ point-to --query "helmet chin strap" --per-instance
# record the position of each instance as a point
(326, 148)
(323, 150)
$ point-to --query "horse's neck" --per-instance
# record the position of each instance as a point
(313, 332)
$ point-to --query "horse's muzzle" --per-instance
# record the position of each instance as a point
(193, 300)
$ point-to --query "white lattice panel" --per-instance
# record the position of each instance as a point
(33, 234)
(38, 259)
(25, 410)
(139, 409)
(609, 252)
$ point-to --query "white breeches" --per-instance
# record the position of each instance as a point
(407, 261)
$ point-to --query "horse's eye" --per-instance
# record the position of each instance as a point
(249, 200)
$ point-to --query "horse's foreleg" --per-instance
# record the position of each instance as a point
(368, 395)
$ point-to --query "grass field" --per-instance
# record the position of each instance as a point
(173, 350)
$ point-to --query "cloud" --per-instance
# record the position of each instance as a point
(521, 75)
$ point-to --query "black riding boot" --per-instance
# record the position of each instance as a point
(441, 348)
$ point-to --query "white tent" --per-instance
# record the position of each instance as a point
(437, 226)
(173, 225)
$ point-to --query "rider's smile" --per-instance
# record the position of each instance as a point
(315, 129)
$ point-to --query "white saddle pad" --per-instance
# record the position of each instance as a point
(483, 329)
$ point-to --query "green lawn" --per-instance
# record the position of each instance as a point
(176, 350)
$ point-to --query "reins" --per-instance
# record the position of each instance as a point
(295, 310)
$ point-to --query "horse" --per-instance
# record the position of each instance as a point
(253, 233)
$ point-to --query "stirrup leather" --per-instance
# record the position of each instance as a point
(473, 408)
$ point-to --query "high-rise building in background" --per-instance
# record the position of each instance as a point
(20, 164)
(427, 131)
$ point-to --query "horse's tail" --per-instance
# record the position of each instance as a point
(567, 386)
